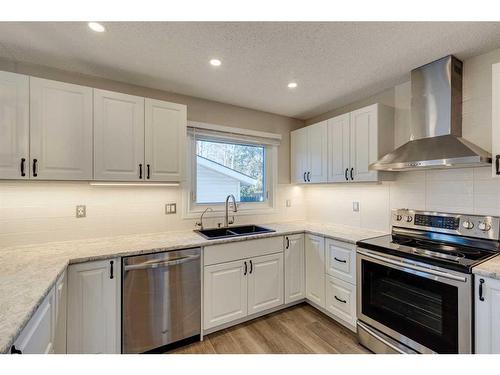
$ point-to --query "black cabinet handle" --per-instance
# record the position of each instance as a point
(13, 350)
(140, 171)
(251, 267)
(35, 161)
(111, 271)
(308, 176)
(340, 300)
(305, 177)
(245, 272)
(340, 260)
(497, 164)
(345, 174)
(22, 167)
(352, 169)
(287, 242)
(149, 174)
(481, 282)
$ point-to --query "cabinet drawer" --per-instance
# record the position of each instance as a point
(341, 260)
(241, 250)
(341, 300)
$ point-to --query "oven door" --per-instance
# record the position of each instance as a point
(427, 309)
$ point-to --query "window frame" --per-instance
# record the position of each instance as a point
(194, 209)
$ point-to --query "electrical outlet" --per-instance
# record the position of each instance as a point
(170, 208)
(289, 203)
(81, 211)
(355, 206)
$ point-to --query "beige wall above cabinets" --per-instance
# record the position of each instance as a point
(341, 148)
(53, 130)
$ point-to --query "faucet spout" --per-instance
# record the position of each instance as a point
(227, 222)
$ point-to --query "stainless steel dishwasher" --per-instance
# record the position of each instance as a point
(161, 299)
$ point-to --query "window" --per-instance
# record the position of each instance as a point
(226, 162)
(224, 168)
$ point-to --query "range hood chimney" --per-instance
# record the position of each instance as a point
(436, 123)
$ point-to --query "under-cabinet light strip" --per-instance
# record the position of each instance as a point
(145, 184)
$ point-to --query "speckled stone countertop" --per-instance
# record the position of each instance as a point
(490, 268)
(27, 273)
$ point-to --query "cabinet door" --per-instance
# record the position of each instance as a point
(299, 156)
(265, 282)
(225, 293)
(38, 335)
(94, 307)
(315, 269)
(165, 140)
(14, 125)
(60, 314)
(118, 136)
(495, 117)
(487, 315)
(317, 152)
(341, 301)
(341, 260)
(60, 130)
(295, 283)
(338, 148)
(364, 143)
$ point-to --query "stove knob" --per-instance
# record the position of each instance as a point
(409, 219)
(399, 217)
(484, 226)
(468, 224)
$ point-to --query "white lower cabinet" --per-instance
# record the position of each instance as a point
(487, 315)
(225, 293)
(265, 283)
(295, 272)
(234, 290)
(315, 269)
(341, 300)
(93, 323)
(341, 260)
(60, 290)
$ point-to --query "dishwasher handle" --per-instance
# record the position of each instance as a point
(161, 264)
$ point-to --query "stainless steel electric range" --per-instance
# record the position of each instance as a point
(415, 285)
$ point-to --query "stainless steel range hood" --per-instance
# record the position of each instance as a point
(436, 123)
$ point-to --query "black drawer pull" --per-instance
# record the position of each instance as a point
(251, 267)
(340, 260)
(140, 171)
(13, 350)
(149, 174)
(34, 167)
(305, 180)
(287, 242)
(497, 164)
(345, 174)
(340, 300)
(352, 169)
(245, 272)
(111, 271)
(481, 282)
(308, 176)
(22, 167)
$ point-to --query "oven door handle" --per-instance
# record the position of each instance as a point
(380, 338)
(413, 267)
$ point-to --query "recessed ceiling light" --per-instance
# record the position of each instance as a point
(215, 62)
(97, 27)
(292, 85)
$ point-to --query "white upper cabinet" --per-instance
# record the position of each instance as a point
(165, 140)
(339, 157)
(495, 117)
(14, 126)
(118, 136)
(364, 143)
(60, 130)
(309, 154)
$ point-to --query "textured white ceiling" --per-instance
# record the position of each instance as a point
(334, 63)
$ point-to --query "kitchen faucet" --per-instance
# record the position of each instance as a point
(235, 209)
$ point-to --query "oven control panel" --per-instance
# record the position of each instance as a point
(465, 225)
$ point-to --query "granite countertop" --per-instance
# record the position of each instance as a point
(490, 268)
(27, 273)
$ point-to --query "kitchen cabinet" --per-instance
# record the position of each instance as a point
(60, 131)
(341, 260)
(495, 118)
(309, 154)
(60, 291)
(118, 136)
(341, 301)
(38, 335)
(295, 283)
(265, 283)
(165, 140)
(315, 269)
(357, 139)
(14, 126)
(225, 293)
(94, 304)
(487, 315)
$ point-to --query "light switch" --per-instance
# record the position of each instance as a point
(289, 203)
(355, 206)
(170, 208)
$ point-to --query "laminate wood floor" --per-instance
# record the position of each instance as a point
(299, 329)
